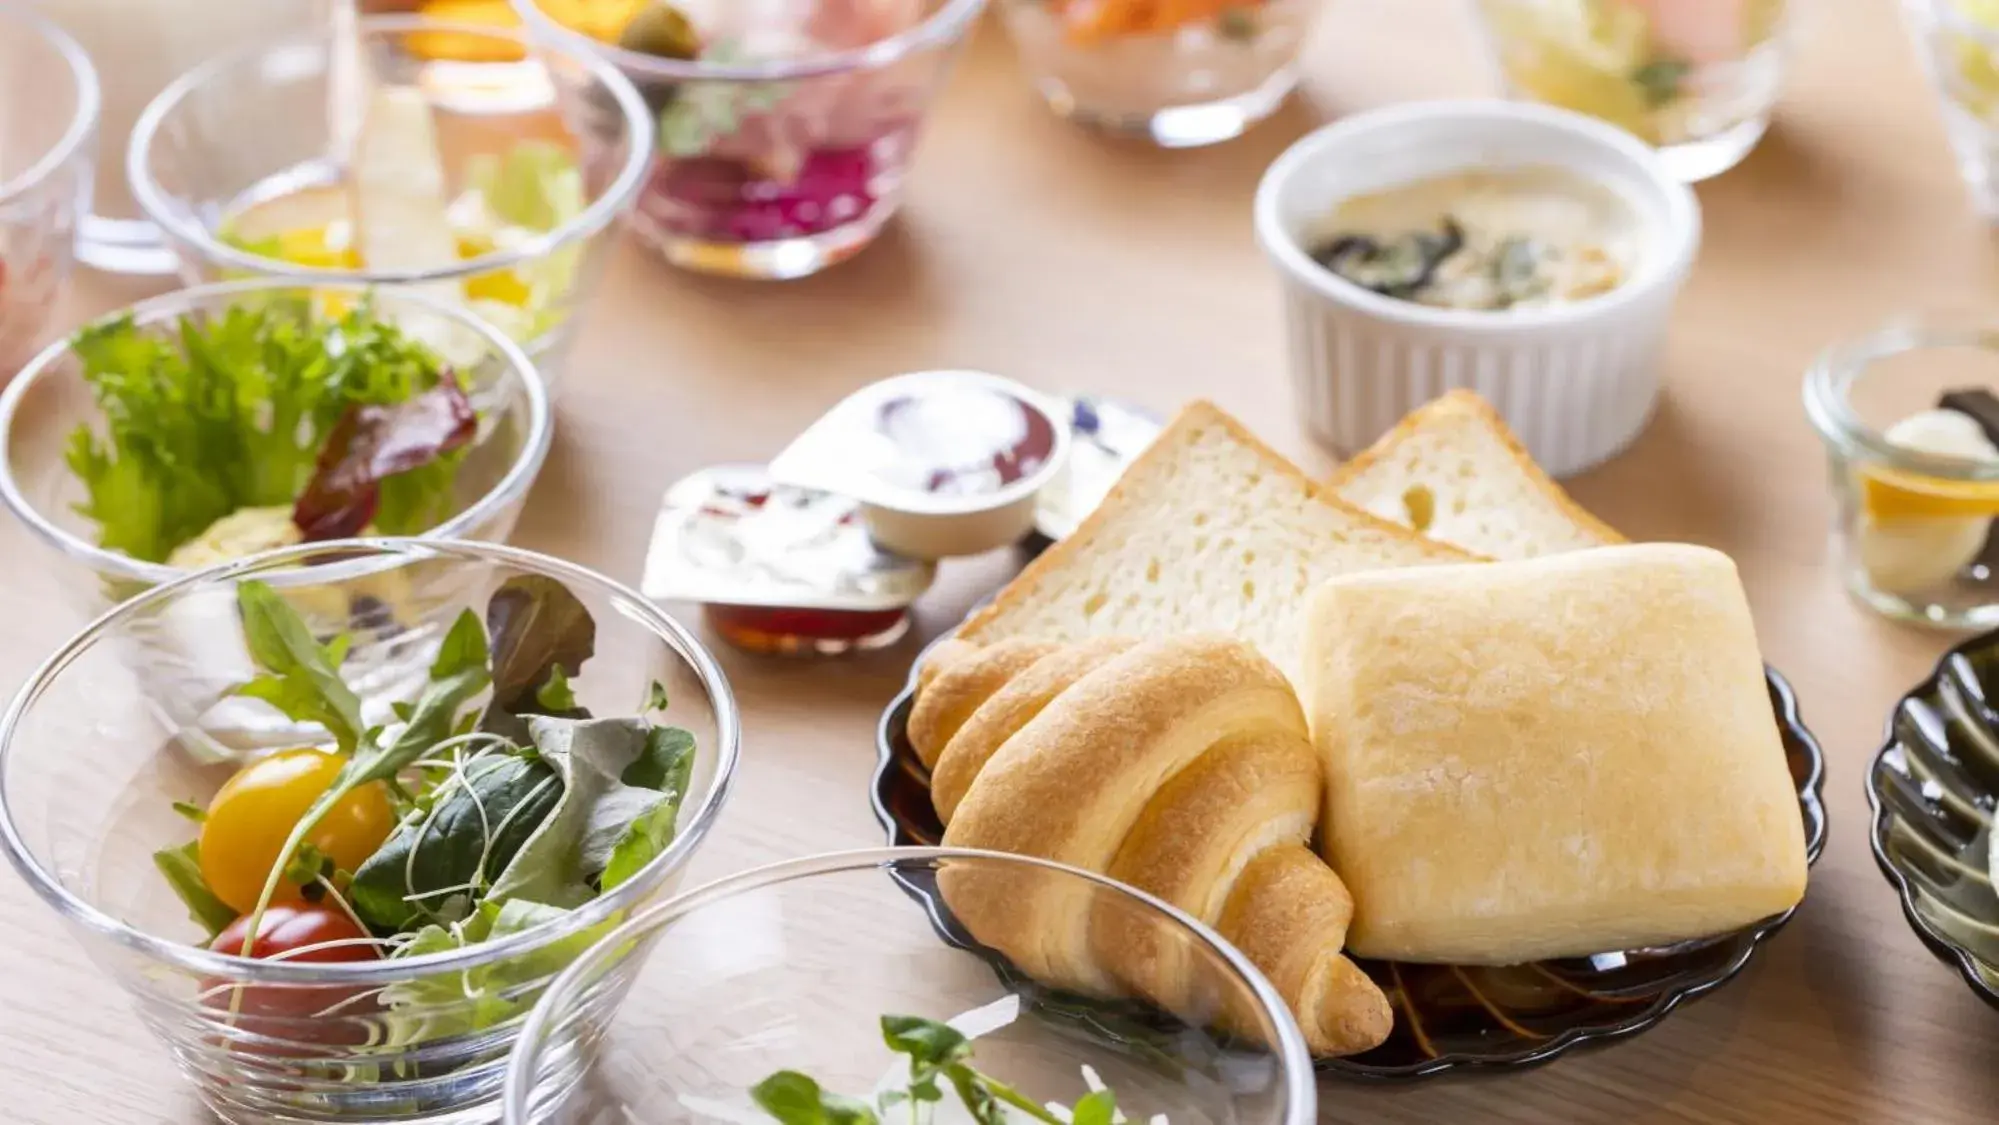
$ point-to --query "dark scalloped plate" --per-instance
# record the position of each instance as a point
(1933, 788)
(1448, 1017)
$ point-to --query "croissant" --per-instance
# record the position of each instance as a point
(1179, 766)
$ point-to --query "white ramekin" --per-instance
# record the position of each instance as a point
(1576, 382)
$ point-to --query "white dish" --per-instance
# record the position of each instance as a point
(1577, 381)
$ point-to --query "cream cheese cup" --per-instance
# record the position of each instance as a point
(942, 463)
(1576, 381)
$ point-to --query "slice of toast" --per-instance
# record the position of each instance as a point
(1453, 471)
(1209, 531)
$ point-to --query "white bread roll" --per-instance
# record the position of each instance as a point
(1549, 758)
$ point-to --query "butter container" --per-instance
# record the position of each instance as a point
(941, 463)
(1911, 430)
(778, 569)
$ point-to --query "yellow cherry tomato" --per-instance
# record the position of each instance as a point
(255, 812)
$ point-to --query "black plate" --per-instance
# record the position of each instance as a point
(1447, 1018)
(1933, 788)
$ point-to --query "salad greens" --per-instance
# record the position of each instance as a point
(500, 814)
(237, 410)
(938, 1057)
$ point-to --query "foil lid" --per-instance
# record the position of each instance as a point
(729, 535)
(1107, 437)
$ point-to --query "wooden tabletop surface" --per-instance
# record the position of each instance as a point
(1029, 249)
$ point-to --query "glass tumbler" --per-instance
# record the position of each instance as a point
(93, 758)
(43, 409)
(779, 163)
(1179, 75)
(48, 119)
(246, 161)
(1696, 80)
(1911, 433)
(138, 49)
(1959, 44)
(679, 1013)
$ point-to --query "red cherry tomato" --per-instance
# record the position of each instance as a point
(297, 1013)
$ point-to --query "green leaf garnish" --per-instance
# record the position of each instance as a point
(182, 868)
(191, 811)
(302, 677)
(555, 696)
(655, 699)
(795, 1099)
(1659, 80)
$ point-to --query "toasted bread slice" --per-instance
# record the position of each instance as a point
(1209, 531)
(1453, 471)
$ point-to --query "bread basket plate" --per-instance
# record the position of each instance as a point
(1447, 1018)
(1933, 788)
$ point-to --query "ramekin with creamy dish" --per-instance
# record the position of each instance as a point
(1529, 253)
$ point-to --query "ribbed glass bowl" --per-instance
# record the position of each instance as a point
(794, 967)
(93, 758)
(1934, 788)
(40, 410)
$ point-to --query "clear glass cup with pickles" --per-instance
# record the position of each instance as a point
(1910, 423)
(1696, 80)
(1959, 43)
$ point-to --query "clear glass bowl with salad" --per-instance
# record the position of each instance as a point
(1696, 80)
(445, 158)
(354, 928)
(215, 422)
(1180, 74)
(823, 991)
(1959, 42)
(48, 125)
(786, 128)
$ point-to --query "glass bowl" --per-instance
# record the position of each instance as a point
(1178, 75)
(1911, 527)
(1932, 789)
(1959, 44)
(780, 165)
(42, 409)
(48, 117)
(92, 759)
(1698, 81)
(796, 966)
(240, 155)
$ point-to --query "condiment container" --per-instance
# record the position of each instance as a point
(1911, 432)
(1576, 381)
(777, 569)
(942, 463)
(1107, 436)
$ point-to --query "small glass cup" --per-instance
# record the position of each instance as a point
(778, 168)
(138, 48)
(1959, 44)
(91, 762)
(1176, 77)
(1697, 81)
(265, 123)
(48, 118)
(42, 409)
(1915, 487)
(677, 1013)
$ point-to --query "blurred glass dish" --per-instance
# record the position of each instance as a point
(1698, 81)
(93, 773)
(1180, 75)
(138, 49)
(1915, 484)
(48, 119)
(786, 129)
(1959, 44)
(473, 172)
(801, 966)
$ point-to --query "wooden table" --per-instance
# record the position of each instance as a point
(1030, 249)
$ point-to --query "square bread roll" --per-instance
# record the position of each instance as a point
(1549, 758)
